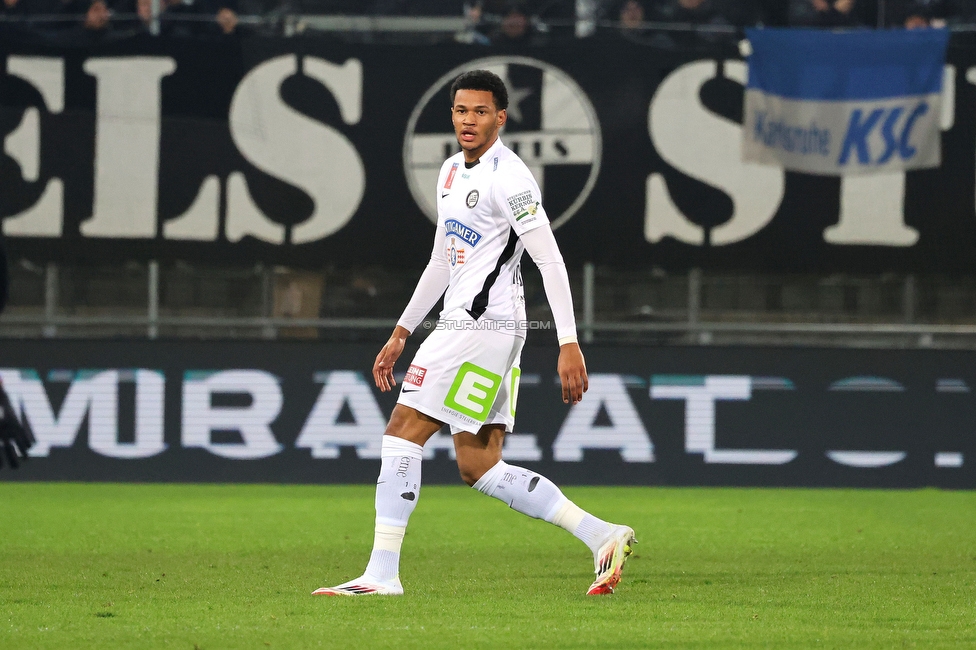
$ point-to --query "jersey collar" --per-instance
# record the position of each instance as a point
(487, 155)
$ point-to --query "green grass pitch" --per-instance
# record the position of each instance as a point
(230, 566)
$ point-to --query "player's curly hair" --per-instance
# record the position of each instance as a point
(482, 80)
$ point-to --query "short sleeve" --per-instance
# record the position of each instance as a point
(517, 196)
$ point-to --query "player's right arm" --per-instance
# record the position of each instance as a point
(431, 286)
(541, 246)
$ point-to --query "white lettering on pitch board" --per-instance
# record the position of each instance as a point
(626, 432)
(201, 419)
(322, 432)
(347, 414)
(700, 394)
(93, 394)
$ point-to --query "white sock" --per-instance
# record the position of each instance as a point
(397, 492)
(536, 496)
(591, 530)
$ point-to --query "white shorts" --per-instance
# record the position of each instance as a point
(465, 378)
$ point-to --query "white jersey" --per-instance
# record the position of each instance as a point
(483, 210)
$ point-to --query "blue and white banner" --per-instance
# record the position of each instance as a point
(835, 103)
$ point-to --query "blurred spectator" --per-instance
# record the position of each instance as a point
(834, 13)
(94, 25)
(325, 7)
(226, 20)
(182, 18)
(502, 7)
(144, 13)
(692, 11)
(13, 8)
(417, 7)
(516, 28)
(475, 32)
(916, 21)
(913, 14)
(137, 16)
(98, 16)
(707, 12)
(631, 15)
(12, 18)
(198, 18)
(176, 20)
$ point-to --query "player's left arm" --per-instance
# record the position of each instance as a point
(517, 196)
(542, 248)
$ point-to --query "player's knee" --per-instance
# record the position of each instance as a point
(471, 473)
(468, 476)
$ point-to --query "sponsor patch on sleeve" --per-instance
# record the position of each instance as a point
(415, 375)
(523, 205)
(450, 177)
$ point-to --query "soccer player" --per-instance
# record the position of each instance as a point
(466, 373)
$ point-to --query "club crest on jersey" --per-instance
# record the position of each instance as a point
(450, 176)
(467, 235)
(455, 255)
(472, 199)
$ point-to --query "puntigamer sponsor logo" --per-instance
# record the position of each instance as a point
(456, 228)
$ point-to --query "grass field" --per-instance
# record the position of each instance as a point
(174, 566)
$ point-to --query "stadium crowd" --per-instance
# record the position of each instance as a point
(84, 22)
(89, 22)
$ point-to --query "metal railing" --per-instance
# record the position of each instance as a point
(289, 22)
(699, 320)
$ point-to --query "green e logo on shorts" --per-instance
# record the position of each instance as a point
(513, 393)
(473, 391)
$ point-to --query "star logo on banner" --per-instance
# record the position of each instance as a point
(515, 97)
(567, 134)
